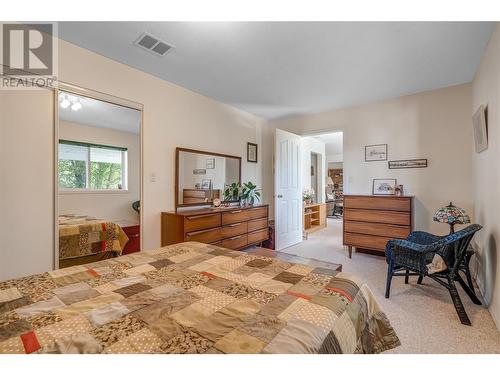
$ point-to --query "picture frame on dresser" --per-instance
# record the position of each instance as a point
(384, 186)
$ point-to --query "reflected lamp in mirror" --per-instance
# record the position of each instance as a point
(451, 215)
(202, 176)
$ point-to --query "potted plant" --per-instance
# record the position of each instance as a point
(232, 193)
(250, 193)
(307, 195)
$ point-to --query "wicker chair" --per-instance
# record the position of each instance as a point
(410, 257)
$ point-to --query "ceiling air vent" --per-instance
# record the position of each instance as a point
(153, 44)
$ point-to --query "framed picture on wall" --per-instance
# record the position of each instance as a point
(384, 186)
(480, 129)
(376, 152)
(210, 164)
(251, 152)
(412, 163)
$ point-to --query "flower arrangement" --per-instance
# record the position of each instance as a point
(307, 195)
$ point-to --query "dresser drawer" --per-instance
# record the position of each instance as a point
(235, 229)
(377, 229)
(194, 193)
(235, 216)
(365, 241)
(389, 217)
(257, 224)
(378, 203)
(257, 212)
(197, 222)
(258, 236)
(235, 242)
(205, 236)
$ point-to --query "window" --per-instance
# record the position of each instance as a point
(84, 166)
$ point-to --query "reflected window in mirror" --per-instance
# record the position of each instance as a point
(84, 166)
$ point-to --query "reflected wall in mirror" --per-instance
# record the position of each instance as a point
(202, 176)
(99, 161)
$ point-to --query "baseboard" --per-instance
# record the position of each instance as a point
(480, 287)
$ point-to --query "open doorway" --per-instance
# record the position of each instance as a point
(306, 199)
(324, 211)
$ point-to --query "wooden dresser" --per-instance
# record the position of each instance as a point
(372, 220)
(233, 228)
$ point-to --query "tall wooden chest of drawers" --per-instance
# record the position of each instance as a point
(233, 228)
(372, 220)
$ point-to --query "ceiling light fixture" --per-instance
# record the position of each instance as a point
(65, 103)
(76, 105)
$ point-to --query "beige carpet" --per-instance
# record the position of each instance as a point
(422, 315)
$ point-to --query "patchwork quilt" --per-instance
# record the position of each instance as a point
(192, 298)
(83, 235)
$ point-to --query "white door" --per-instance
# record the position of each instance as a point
(287, 189)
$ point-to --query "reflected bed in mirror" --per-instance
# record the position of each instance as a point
(202, 176)
(99, 174)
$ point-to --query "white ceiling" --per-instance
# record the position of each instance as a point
(333, 142)
(278, 69)
(101, 114)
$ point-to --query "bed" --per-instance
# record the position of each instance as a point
(192, 298)
(84, 239)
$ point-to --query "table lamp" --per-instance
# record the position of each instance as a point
(451, 215)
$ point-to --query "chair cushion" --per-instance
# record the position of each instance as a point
(437, 265)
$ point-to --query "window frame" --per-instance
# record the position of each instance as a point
(87, 190)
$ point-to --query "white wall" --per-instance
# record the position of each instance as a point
(26, 183)
(486, 181)
(313, 145)
(105, 205)
(173, 117)
(435, 125)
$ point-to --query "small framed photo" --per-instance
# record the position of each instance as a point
(384, 186)
(376, 152)
(210, 164)
(251, 152)
(413, 163)
(205, 184)
(480, 129)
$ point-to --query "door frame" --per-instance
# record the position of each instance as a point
(93, 94)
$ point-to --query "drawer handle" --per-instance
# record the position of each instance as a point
(235, 212)
(133, 235)
(234, 225)
(235, 237)
(197, 217)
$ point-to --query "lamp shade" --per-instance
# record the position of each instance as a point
(451, 215)
(329, 181)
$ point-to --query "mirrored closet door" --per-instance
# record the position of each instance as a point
(98, 177)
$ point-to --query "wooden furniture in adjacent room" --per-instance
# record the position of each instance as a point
(370, 221)
(233, 228)
(205, 196)
(314, 217)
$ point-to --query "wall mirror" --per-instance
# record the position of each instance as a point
(202, 176)
(98, 187)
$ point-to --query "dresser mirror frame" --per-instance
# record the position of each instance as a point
(178, 150)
